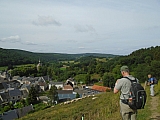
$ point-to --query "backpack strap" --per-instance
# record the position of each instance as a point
(131, 80)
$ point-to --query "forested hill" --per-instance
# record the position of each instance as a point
(17, 57)
(142, 62)
(141, 56)
(152, 52)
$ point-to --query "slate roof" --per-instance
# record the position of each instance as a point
(4, 95)
(15, 92)
(41, 79)
(14, 83)
(3, 85)
(23, 111)
(4, 98)
(65, 91)
(26, 86)
(16, 78)
(36, 78)
(56, 83)
(28, 79)
(16, 113)
(10, 115)
(46, 78)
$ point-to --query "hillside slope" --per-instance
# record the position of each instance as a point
(104, 106)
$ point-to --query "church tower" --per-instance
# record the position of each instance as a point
(38, 65)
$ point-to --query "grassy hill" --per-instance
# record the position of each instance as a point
(105, 106)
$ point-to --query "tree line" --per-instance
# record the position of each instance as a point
(9, 57)
(141, 62)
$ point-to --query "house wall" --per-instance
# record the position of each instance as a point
(59, 86)
(64, 96)
(15, 98)
(42, 88)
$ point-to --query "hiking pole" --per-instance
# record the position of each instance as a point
(145, 84)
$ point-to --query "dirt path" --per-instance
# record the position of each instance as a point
(154, 106)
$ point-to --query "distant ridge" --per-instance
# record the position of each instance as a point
(16, 56)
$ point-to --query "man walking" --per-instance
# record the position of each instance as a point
(123, 85)
(151, 83)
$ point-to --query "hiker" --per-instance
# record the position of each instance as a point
(151, 83)
(123, 85)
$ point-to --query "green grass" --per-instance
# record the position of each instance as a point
(101, 59)
(3, 68)
(68, 61)
(99, 83)
(157, 92)
(25, 65)
(144, 114)
(95, 76)
(105, 106)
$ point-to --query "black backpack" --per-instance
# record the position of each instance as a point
(155, 81)
(137, 96)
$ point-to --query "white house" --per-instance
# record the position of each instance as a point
(59, 85)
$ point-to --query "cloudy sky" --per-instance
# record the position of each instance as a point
(79, 26)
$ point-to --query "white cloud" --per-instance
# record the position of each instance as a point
(81, 47)
(46, 20)
(11, 39)
(84, 28)
(29, 43)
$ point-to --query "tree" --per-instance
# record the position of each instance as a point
(116, 71)
(141, 72)
(80, 78)
(24, 102)
(53, 95)
(155, 68)
(87, 79)
(6, 108)
(18, 105)
(108, 80)
(33, 95)
(77, 95)
(148, 60)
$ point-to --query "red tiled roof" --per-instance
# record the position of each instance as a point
(100, 88)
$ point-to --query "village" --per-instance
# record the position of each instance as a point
(13, 89)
